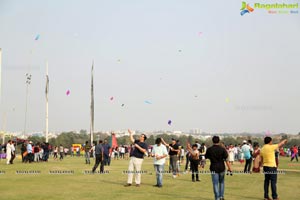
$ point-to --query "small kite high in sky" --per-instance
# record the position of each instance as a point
(37, 37)
(148, 102)
(68, 92)
(169, 122)
(111, 98)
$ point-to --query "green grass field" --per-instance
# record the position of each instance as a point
(110, 186)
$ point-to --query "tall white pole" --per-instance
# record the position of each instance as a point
(1, 91)
(47, 90)
(0, 75)
(28, 81)
(92, 105)
(3, 128)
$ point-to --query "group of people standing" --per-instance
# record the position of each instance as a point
(218, 156)
(35, 152)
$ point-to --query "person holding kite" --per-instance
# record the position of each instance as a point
(136, 159)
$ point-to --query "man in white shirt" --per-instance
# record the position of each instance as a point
(159, 152)
(13, 152)
(8, 152)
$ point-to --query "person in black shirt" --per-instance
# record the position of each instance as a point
(99, 157)
(173, 153)
(136, 159)
(217, 156)
(23, 150)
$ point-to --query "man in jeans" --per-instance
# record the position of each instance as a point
(99, 157)
(159, 152)
(136, 159)
(267, 154)
(173, 153)
(217, 156)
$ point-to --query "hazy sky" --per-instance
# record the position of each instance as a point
(200, 63)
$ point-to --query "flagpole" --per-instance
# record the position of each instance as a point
(3, 137)
(28, 81)
(47, 110)
(92, 105)
(0, 75)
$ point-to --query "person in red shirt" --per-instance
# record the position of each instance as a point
(294, 153)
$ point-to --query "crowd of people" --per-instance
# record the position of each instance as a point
(220, 155)
(39, 152)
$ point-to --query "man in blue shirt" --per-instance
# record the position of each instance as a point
(136, 159)
(106, 148)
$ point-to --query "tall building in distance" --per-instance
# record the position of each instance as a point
(195, 131)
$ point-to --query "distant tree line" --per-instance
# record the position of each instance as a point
(69, 138)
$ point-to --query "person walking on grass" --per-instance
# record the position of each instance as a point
(159, 152)
(217, 156)
(269, 166)
(136, 159)
(99, 151)
(194, 159)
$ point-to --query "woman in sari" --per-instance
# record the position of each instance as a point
(256, 158)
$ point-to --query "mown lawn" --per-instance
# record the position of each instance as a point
(82, 186)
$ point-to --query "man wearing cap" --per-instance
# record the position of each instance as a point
(136, 159)
(267, 154)
(173, 153)
(247, 156)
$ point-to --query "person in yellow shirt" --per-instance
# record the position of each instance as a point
(269, 166)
